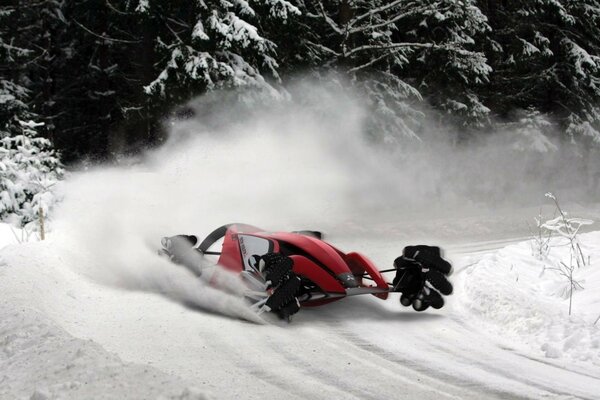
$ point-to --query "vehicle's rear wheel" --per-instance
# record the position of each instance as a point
(284, 294)
(289, 309)
(275, 268)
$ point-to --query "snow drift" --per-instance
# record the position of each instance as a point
(524, 301)
(40, 359)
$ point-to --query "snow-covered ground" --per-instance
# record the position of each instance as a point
(524, 301)
(11, 235)
(39, 358)
(505, 333)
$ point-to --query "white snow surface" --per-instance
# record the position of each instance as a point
(40, 359)
(523, 300)
(9, 235)
(64, 336)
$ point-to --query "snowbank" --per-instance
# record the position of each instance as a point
(11, 235)
(40, 360)
(525, 301)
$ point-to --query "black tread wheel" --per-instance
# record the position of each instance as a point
(289, 309)
(435, 300)
(430, 256)
(406, 300)
(420, 305)
(285, 293)
(276, 268)
(439, 282)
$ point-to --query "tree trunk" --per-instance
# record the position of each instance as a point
(345, 13)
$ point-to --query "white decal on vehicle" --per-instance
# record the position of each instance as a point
(251, 246)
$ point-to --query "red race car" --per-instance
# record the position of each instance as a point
(285, 271)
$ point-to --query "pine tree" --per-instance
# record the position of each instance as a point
(452, 72)
(13, 95)
(29, 167)
(545, 55)
(29, 171)
(387, 50)
(112, 71)
(212, 45)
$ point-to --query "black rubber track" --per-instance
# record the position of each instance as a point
(422, 301)
(435, 300)
(285, 293)
(277, 268)
(407, 300)
(428, 256)
(289, 309)
(439, 282)
(420, 305)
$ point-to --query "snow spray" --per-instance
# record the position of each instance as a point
(302, 163)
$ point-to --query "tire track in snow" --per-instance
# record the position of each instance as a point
(344, 382)
(506, 373)
(328, 379)
(273, 379)
(474, 389)
(549, 363)
(415, 377)
(485, 246)
(283, 376)
(398, 365)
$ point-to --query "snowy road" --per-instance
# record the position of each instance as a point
(358, 348)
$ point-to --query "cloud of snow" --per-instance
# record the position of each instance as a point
(300, 164)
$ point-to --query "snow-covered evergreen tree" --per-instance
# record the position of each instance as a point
(118, 68)
(29, 171)
(13, 95)
(452, 72)
(546, 55)
(215, 44)
(29, 167)
(396, 51)
(529, 131)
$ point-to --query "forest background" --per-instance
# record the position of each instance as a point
(93, 81)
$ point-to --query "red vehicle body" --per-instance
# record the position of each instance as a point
(327, 273)
(286, 270)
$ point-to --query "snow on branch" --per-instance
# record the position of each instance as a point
(387, 22)
(374, 11)
(329, 20)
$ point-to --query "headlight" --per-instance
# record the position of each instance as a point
(348, 280)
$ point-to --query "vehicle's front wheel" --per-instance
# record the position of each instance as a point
(277, 272)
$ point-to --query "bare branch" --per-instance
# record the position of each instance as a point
(174, 33)
(388, 22)
(329, 21)
(390, 46)
(15, 48)
(324, 48)
(374, 11)
(103, 36)
(373, 61)
(178, 22)
(115, 9)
